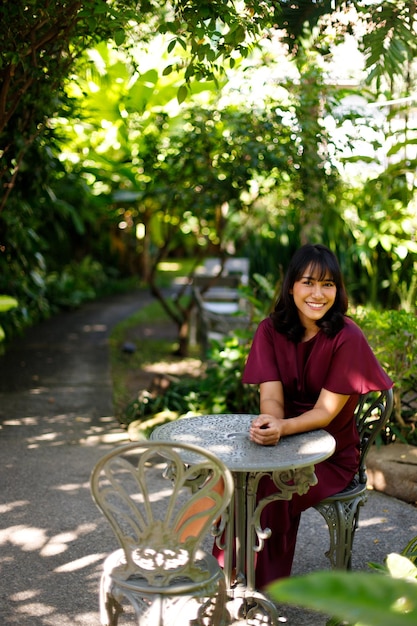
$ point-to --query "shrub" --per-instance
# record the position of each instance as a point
(393, 337)
(219, 390)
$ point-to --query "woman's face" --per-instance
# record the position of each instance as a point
(313, 297)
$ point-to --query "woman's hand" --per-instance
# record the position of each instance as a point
(266, 430)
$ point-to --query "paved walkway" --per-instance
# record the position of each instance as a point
(55, 422)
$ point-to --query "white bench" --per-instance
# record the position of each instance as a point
(232, 266)
(220, 309)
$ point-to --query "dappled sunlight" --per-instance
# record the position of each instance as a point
(59, 543)
(22, 596)
(169, 266)
(81, 563)
(72, 487)
(376, 521)
(25, 537)
(11, 506)
(36, 391)
(55, 557)
(31, 539)
(95, 328)
(37, 608)
(45, 437)
(63, 428)
(190, 366)
(22, 421)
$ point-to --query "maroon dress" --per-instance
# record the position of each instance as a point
(344, 364)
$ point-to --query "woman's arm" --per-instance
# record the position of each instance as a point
(272, 399)
(268, 428)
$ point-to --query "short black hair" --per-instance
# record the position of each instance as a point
(285, 315)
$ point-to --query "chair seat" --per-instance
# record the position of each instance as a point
(185, 601)
(205, 570)
(355, 488)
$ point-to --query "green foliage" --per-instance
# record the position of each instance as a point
(388, 598)
(6, 303)
(393, 336)
(76, 283)
(390, 44)
(42, 294)
(362, 598)
(57, 223)
(382, 259)
(260, 178)
(218, 390)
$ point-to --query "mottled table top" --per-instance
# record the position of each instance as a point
(227, 436)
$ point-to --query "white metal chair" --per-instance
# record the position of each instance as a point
(341, 511)
(161, 569)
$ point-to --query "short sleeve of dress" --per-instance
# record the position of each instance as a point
(353, 366)
(343, 364)
(261, 365)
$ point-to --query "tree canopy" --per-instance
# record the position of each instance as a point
(42, 39)
(86, 142)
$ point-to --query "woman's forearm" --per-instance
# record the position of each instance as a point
(271, 406)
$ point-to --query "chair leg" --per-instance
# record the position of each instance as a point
(342, 519)
(110, 608)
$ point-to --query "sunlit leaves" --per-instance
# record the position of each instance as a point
(361, 598)
(390, 40)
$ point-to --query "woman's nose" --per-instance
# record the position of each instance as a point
(317, 292)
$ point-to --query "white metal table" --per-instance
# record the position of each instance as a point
(290, 464)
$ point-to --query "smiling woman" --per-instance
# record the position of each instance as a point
(311, 363)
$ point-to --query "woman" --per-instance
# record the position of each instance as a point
(312, 363)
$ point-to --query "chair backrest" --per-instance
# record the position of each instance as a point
(161, 522)
(238, 266)
(372, 414)
(207, 282)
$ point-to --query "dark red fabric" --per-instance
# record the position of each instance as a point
(344, 364)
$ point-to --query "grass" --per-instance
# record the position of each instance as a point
(149, 330)
(126, 367)
(153, 334)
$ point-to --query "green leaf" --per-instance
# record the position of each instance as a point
(370, 599)
(7, 302)
(400, 567)
(119, 37)
(182, 93)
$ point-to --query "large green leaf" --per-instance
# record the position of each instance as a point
(361, 598)
(7, 302)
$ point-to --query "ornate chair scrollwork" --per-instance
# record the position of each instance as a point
(341, 511)
(160, 567)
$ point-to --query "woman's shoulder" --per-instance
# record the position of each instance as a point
(350, 331)
(266, 328)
